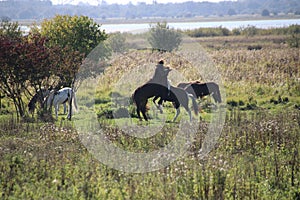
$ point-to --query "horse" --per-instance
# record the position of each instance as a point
(183, 85)
(198, 89)
(177, 96)
(62, 96)
(38, 97)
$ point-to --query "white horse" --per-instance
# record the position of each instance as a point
(62, 96)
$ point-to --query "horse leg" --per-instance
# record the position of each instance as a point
(65, 108)
(160, 107)
(154, 99)
(186, 107)
(177, 113)
(56, 110)
(143, 109)
(138, 110)
(70, 108)
(190, 114)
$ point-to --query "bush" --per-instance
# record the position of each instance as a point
(162, 37)
(294, 39)
(209, 32)
(117, 42)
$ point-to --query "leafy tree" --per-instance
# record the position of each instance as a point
(77, 33)
(117, 42)
(27, 64)
(265, 13)
(231, 12)
(162, 37)
(12, 74)
(10, 29)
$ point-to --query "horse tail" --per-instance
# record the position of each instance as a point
(74, 100)
(195, 105)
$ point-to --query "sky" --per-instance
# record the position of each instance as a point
(97, 2)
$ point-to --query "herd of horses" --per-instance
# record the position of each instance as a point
(157, 88)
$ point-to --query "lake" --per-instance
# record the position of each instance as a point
(141, 27)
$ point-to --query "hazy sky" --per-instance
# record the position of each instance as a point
(96, 2)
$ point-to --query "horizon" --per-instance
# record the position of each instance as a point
(135, 2)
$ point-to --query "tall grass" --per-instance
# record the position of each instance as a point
(257, 158)
(257, 155)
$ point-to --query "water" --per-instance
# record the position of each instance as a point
(141, 27)
(193, 25)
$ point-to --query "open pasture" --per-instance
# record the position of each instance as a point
(257, 155)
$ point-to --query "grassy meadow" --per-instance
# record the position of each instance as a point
(256, 157)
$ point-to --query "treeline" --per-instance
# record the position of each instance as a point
(38, 9)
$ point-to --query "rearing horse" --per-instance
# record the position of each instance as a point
(177, 96)
(158, 87)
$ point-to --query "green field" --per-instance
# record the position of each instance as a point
(256, 157)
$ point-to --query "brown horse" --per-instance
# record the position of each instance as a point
(177, 96)
(198, 89)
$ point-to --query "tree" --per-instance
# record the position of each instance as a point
(117, 42)
(12, 74)
(27, 65)
(77, 33)
(231, 12)
(265, 13)
(10, 29)
(162, 37)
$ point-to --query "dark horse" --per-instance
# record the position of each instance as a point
(198, 89)
(177, 96)
(39, 97)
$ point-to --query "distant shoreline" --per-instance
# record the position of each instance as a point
(195, 19)
(28, 22)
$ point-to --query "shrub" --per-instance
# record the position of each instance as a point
(162, 37)
(117, 42)
(209, 32)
